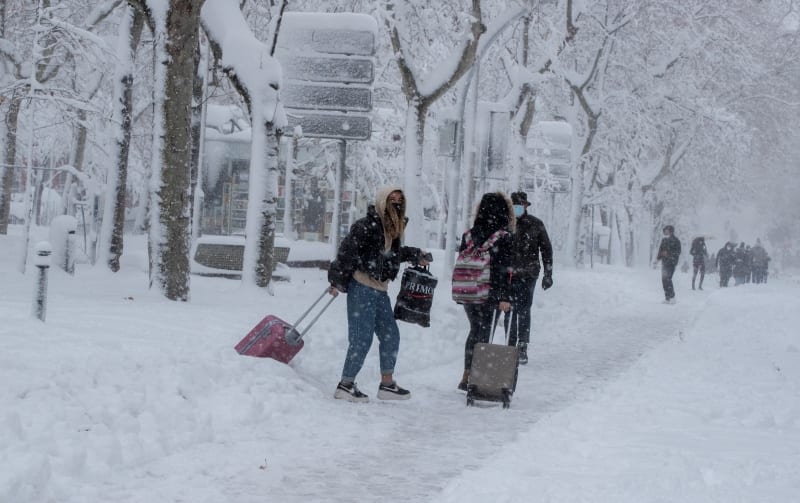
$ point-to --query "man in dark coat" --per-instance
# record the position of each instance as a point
(530, 241)
(668, 253)
(760, 260)
(739, 265)
(725, 263)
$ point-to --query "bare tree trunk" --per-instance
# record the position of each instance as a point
(123, 146)
(9, 160)
(418, 105)
(576, 239)
(266, 235)
(172, 253)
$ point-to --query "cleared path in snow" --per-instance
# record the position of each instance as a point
(589, 329)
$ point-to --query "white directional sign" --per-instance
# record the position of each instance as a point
(310, 34)
(327, 97)
(328, 72)
(337, 126)
(328, 69)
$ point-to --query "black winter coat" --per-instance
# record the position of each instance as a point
(725, 259)
(670, 250)
(530, 240)
(699, 252)
(363, 249)
(501, 264)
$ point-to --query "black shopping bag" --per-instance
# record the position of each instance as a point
(416, 296)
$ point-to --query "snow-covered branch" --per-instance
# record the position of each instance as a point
(247, 60)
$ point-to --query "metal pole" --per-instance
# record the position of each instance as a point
(69, 253)
(43, 251)
(591, 241)
(337, 195)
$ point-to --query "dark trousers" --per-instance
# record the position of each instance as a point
(667, 271)
(522, 298)
(480, 318)
(724, 276)
(702, 268)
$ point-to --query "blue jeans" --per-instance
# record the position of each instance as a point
(369, 312)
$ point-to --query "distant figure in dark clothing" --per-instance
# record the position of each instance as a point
(530, 241)
(739, 265)
(760, 261)
(725, 263)
(748, 264)
(699, 254)
(668, 253)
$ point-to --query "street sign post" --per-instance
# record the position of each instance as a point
(328, 73)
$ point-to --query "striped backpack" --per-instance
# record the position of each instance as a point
(472, 272)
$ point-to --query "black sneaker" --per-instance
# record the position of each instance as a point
(393, 392)
(350, 392)
(523, 353)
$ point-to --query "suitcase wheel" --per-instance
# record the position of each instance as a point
(506, 398)
(471, 395)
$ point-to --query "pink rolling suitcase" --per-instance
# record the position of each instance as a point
(276, 339)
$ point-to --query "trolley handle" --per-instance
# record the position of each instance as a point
(293, 336)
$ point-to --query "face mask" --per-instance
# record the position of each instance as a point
(398, 207)
(519, 210)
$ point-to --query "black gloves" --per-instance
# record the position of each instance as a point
(547, 279)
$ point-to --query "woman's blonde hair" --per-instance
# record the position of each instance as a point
(394, 222)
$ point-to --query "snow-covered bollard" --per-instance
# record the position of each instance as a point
(69, 252)
(42, 262)
(62, 238)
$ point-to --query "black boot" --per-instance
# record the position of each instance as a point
(523, 353)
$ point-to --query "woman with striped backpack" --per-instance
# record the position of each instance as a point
(482, 273)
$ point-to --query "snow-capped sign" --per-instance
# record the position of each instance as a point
(328, 33)
(337, 126)
(328, 72)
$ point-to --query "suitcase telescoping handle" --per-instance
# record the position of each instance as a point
(495, 320)
(294, 336)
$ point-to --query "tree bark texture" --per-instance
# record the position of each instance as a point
(266, 236)
(9, 159)
(123, 145)
(182, 26)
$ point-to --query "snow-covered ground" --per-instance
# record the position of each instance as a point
(124, 396)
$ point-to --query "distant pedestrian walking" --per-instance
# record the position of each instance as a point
(668, 253)
(699, 254)
(530, 241)
(760, 261)
(740, 265)
(725, 263)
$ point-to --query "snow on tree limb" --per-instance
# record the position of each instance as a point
(243, 55)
